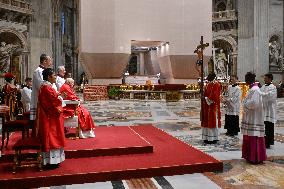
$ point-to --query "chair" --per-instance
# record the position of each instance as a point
(72, 122)
(17, 125)
(27, 158)
(10, 99)
(24, 148)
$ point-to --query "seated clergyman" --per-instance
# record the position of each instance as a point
(85, 119)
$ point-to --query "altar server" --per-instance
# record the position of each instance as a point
(252, 127)
(26, 94)
(232, 100)
(269, 95)
(60, 77)
(45, 62)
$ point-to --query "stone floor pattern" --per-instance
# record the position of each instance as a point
(181, 119)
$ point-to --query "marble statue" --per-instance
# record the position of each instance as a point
(274, 53)
(221, 64)
(6, 51)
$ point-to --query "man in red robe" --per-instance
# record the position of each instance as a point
(85, 119)
(50, 121)
(211, 116)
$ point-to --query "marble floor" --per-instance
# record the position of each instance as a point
(181, 120)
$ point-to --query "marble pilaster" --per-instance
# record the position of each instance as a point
(141, 63)
(253, 37)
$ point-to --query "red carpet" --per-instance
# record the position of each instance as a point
(170, 157)
(109, 141)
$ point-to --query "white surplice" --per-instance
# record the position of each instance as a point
(37, 81)
(26, 95)
(59, 82)
(269, 96)
(233, 100)
(253, 122)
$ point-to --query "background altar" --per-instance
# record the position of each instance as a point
(141, 80)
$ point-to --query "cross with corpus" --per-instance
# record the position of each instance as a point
(199, 51)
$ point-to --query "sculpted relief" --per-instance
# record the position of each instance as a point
(275, 56)
(6, 50)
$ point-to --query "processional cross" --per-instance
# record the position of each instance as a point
(199, 51)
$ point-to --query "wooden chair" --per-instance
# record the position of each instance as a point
(17, 125)
(24, 153)
(26, 147)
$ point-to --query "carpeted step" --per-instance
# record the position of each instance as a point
(170, 157)
(109, 141)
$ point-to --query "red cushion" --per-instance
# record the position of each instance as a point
(27, 144)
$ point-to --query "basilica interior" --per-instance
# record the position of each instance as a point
(138, 63)
(59, 28)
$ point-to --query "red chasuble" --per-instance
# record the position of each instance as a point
(50, 119)
(85, 119)
(212, 112)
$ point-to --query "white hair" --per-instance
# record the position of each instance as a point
(60, 68)
(69, 80)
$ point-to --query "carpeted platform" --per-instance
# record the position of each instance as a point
(170, 157)
(109, 141)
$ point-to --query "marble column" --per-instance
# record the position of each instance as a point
(75, 74)
(253, 37)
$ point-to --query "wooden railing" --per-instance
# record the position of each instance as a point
(224, 15)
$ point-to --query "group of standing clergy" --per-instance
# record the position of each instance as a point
(48, 111)
(258, 115)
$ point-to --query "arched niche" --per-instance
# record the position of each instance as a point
(220, 5)
(229, 47)
(18, 61)
(10, 35)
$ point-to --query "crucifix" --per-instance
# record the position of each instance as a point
(199, 51)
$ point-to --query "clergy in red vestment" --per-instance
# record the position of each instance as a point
(211, 116)
(50, 121)
(85, 119)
